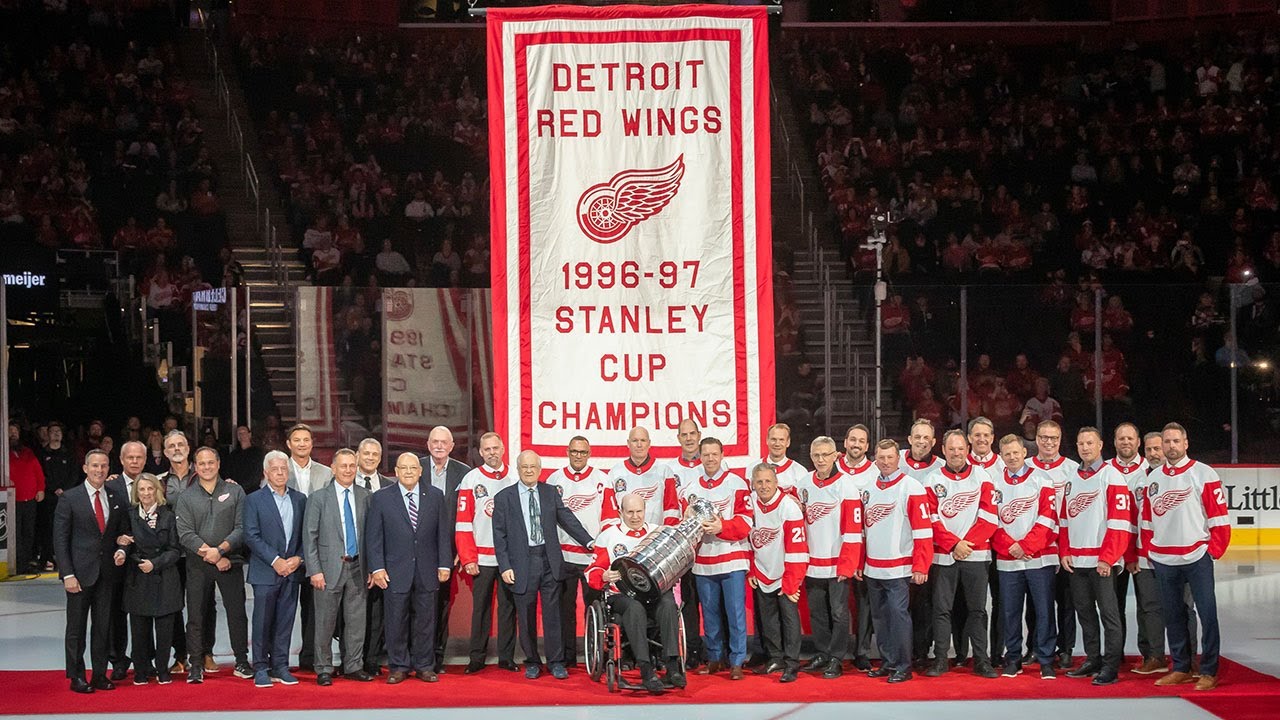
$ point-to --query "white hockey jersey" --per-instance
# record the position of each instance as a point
(1027, 511)
(473, 534)
(1185, 514)
(833, 519)
(653, 481)
(779, 553)
(897, 534)
(584, 494)
(729, 551)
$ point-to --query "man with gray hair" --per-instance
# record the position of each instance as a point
(370, 477)
(333, 549)
(179, 477)
(133, 460)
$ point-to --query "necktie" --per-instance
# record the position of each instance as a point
(98, 512)
(368, 483)
(349, 524)
(413, 511)
(535, 519)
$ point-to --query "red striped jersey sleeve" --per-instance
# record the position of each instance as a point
(795, 547)
(595, 571)
(851, 548)
(1215, 510)
(984, 525)
(738, 526)
(463, 537)
(921, 533)
(1116, 541)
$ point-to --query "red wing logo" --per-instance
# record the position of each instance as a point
(957, 503)
(646, 492)
(1169, 500)
(722, 505)
(813, 512)
(488, 507)
(578, 503)
(1081, 502)
(397, 304)
(762, 536)
(608, 211)
(1016, 508)
(876, 513)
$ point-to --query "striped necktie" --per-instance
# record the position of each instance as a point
(413, 511)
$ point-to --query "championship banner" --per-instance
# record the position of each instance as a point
(318, 404)
(425, 365)
(632, 285)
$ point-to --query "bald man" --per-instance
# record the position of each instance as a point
(410, 546)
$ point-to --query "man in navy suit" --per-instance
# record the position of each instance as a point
(88, 522)
(409, 541)
(273, 533)
(525, 541)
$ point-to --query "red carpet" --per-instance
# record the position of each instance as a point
(1243, 694)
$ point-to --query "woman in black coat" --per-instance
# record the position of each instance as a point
(152, 591)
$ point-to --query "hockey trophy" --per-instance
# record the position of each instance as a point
(657, 563)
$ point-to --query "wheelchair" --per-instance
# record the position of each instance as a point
(606, 647)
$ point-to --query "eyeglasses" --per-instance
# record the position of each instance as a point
(824, 456)
(579, 453)
(1048, 437)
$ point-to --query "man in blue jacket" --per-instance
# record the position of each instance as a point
(273, 533)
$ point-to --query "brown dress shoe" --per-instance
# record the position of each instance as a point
(735, 672)
(396, 677)
(210, 666)
(1151, 666)
(178, 667)
(1207, 682)
(1174, 678)
(711, 668)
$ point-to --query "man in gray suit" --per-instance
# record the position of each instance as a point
(305, 476)
(332, 548)
(369, 477)
(445, 473)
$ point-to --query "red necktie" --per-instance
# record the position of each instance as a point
(97, 511)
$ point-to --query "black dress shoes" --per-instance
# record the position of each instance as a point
(508, 665)
(788, 676)
(1088, 669)
(900, 676)
(102, 683)
(324, 679)
(473, 667)
(817, 664)
(833, 669)
(359, 676)
(119, 673)
(880, 672)
(80, 686)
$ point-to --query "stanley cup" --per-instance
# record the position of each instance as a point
(657, 563)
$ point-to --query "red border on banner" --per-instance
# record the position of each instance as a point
(763, 249)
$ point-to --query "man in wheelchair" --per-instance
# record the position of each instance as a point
(633, 615)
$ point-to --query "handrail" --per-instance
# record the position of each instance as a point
(248, 171)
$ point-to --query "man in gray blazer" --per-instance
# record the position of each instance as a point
(370, 477)
(445, 473)
(333, 549)
(306, 476)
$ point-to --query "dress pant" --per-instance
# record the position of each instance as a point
(779, 628)
(119, 653)
(1035, 588)
(484, 587)
(970, 579)
(862, 620)
(569, 607)
(307, 611)
(152, 637)
(1174, 581)
(343, 598)
(202, 577)
(731, 589)
(375, 652)
(410, 627)
(920, 605)
(633, 616)
(444, 604)
(1121, 585)
(692, 617)
(829, 615)
(180, 626)
(1094, 597)
(92, 601)
(892, 619)
(274, 607)
(1065, 611)
(996, 620)
(540, 584)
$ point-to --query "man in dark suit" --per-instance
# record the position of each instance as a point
(368, 460)
(306, 476)
(527, 546)
(446, 476)
(87, 525)
(273, 534)
(133, 461)
(336, 513)
(410, 551)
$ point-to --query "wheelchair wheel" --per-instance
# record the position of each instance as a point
(683, 647)
(594, 640)
(612, 675)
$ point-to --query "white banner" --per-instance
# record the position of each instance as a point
(318, 404)
(425, 365)
(630, 210)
